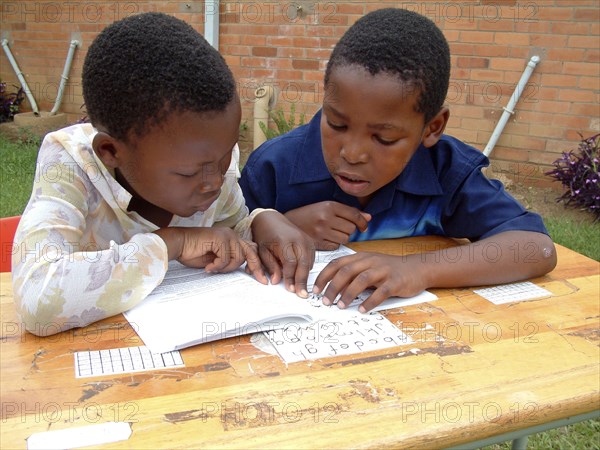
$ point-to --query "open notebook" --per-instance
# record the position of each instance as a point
(192, 307)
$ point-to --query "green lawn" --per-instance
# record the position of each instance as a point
(583, 237)
(17, 166)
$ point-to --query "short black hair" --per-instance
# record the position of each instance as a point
(401, 43)
(141, 68)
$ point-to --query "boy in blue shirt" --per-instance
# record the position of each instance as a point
(374, 164)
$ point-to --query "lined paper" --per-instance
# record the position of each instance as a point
(513, 292)
(123, 360)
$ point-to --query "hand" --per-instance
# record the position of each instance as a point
(285, 250)
(329, 223)
(350, 275)
(216, 249)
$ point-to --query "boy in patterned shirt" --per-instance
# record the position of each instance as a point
(152, 178)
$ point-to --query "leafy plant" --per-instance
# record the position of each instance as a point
(9, 102)
(578, 173)
(283, 125)
(243, 127)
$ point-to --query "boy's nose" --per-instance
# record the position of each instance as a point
(354, 151)
(211, 183)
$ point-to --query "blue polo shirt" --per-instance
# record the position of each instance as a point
(442, 190)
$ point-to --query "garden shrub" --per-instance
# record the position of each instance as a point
(9, 103)
(578, 173)
(283, 125)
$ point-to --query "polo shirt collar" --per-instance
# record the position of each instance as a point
(309, 164)
(419, 177)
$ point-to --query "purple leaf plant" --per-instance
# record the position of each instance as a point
(578, 173)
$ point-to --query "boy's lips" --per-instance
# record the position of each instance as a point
(350, 183)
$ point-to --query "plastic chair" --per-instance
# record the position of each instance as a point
(8, 227)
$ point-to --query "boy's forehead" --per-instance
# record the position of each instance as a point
(358, 78)
(179, 125)
(196, 139)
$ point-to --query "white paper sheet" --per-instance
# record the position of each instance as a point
(513, 292)
(96, 434)
(191, 307)
(123, 360)
(349, 334)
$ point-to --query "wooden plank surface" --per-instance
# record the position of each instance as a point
(474, 370)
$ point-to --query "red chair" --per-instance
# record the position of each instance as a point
(8, 227)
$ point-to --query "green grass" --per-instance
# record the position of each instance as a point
(17, 166)
(580, 436)
(583, 236)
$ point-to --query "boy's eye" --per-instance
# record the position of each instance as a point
(186, 175)
(336, 127)
(385, 141)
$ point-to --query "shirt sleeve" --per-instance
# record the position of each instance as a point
(231, 207)
(481, 208)
(258, 182)
(60, 283)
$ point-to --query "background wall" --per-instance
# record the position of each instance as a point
(287, 44)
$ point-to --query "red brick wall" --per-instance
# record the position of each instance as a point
(274, 43)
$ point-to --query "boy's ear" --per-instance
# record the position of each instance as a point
(435, 128)
(107, 149)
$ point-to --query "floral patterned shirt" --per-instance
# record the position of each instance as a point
(79, 256)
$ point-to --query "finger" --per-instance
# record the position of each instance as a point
(339, 228)
(357, 285)
(254, 265)
(289, 262)
(199, 262)
(338, 274)
(305, 263)
(312, 253)
(271, 264)
(222, 251)
(362, 221)
(238, 252)
(338, 235)
(324, 277)
(359, 218)
(327, 245)
(380, 295)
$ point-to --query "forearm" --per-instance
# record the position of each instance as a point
(174, 240)
(60, 288)
(503, 258)
(245, 227)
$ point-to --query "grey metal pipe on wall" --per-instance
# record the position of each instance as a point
(15, 66)
(211, 22)
(509, 110)
(264, 98)
(64, 77)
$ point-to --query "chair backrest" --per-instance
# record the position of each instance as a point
(8, 227)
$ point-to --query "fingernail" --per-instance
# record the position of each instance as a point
(315, 290)
(341, 305)
(303, 293)
(362, 309)
(292, 288)
(326, 301)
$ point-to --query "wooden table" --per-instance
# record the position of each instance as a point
(476, 371)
